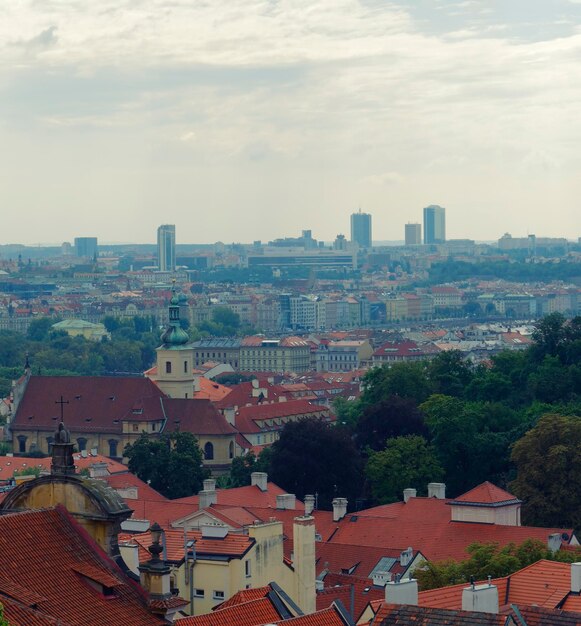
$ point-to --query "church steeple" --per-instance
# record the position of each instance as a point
(174, 335)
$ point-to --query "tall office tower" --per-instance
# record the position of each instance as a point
(361, 229)
(86, 247)
(434, 224)
(413, 234)
(166, 248)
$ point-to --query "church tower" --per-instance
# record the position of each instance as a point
(175, 356)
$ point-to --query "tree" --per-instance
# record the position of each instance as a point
(243, 466)
(3, 620)
(407, 380)
(313, 456)
(39, 328)
(449, 373)
(171, 464)
(405, 462)
(548, 466)
(392, 417)
(488, 559)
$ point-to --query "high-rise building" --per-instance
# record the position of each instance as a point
(86, 247)
(434, 224)
(166, 247)
(361, 229)
(413, 234)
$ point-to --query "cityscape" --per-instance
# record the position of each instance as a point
(290, 313)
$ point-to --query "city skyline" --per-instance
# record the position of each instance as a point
(288, 115)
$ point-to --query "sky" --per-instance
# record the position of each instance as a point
(254, 119)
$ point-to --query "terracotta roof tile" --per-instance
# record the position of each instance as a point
(486, 493)
(252, 613)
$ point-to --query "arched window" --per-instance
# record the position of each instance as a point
(82, 443)
(231, 450)
(209, 451)
(168, 367)
(113, 444)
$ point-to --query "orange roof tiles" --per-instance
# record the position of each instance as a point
(50, 555)
(486, 493)
(252, 613)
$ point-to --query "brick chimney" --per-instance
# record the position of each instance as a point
(260, 480)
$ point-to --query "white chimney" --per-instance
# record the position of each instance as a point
(230, 415)
(285, 501)
(480, 598)
(209, 484)
(309, 504)
(380, 579)
(554, 542)
(213, 531)
(260, 480)
(402, 592)
(339, 509)
(206, 498)
(406, 557)
(98, 470)
(409, 493)
(437, 490)
(576, 577)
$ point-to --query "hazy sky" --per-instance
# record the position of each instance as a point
(253, 119)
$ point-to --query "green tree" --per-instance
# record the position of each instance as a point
(449, 373)
(392, 417)
(39, 328)
(548, 466)
(405, 462)
(313, 456)
(171, 464)
(3, 620)
(407, 380)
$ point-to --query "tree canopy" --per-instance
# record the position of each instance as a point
(171, 464)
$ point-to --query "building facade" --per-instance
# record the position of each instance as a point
(361, 229)
(166, 248)
(413, 234)
(434, 224)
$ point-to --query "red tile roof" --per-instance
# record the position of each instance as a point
(251, 613)
(199, 417)
(96, 403)
(47, 558)
(486, 493)
(244, 595)
(251, 419)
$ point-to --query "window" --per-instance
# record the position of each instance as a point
(168, 367)
(209, 451)
(113, 447)
(247, 569)
(218, 595)
(231, 450)
(21, 443)
(198, 593)
(82, 443)
(135, 428)
(154, 427)
(185, 367)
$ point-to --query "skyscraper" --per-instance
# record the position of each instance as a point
(361, 229)
(413, 234)
(166, 247)
(86, 247)
(434, 224)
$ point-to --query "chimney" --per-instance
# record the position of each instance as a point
(209, 484)
(260, 480)
(554, 542)
(437, 490)
(576, 577)
(285, 501)
(480, 598)
(98, 470)
(409, 493)
(406, 557)
(309, 504)
(402, 592)
(230, 415)
(380, 579)
(339, 509)
(304, 563)
(206, 498)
